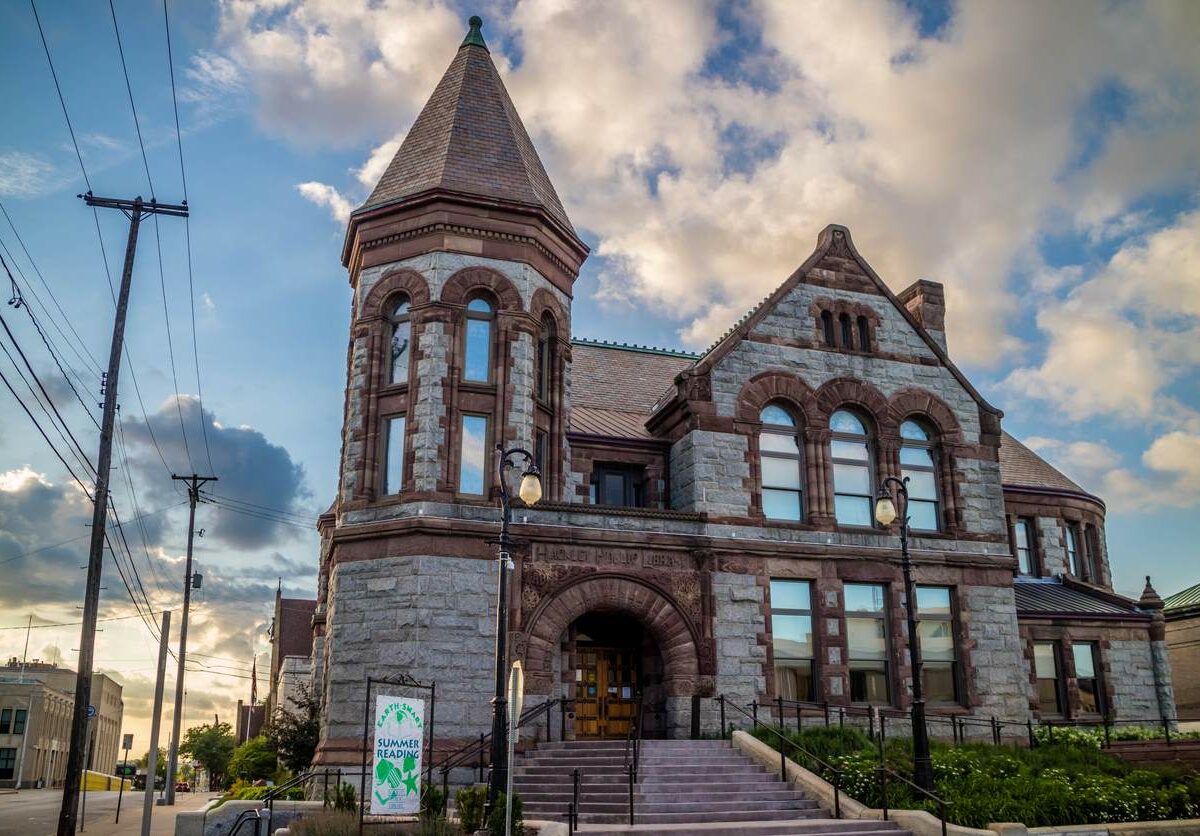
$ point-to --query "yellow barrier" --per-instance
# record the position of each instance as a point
(98, 782)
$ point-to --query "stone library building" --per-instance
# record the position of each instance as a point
(707, 524)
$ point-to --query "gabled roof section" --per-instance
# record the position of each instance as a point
(1020, 467)
(1188, 599)
(1051, 597)
(834, 242)
(468, 139)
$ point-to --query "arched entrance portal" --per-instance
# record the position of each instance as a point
(613, 660)
(615, 632)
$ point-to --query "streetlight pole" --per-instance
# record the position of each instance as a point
(530, 492)
(886, 512)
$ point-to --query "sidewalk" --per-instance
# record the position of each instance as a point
(35, 813)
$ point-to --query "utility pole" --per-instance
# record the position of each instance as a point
(152, 761)
(135, 210)
(193, 482)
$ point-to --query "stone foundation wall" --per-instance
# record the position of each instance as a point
(999, 674)
(1131, 663)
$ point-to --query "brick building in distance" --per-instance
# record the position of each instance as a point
(707, 522)
(1182, 612)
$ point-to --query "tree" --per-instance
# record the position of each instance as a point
(295, 732)
(212, 745)
(253, 759)
(160, 766)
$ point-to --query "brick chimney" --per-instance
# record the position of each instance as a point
(926, 301)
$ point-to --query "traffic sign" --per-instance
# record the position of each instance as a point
(128, 742)
(91, 711)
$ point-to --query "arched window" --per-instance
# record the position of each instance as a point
(917, 463)
(545, 359)
(850, 452)
(401, 336)
(864, 334)
(827, 328)
(847, 331)
(782, 472)
(477, 360)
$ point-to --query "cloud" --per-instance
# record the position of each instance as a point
(25, 175)
(253, 471)
(325, 195)
(706, 157)
(1120, 340)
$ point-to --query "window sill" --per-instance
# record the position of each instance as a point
(481, 386)
(394, 388)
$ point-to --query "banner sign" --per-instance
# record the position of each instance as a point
(396, 772)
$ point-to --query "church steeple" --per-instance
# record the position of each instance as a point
(468, 144)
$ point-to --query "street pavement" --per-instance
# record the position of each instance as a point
(35, 813)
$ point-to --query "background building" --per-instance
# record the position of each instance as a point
(707, 522)
(291, 650)
(1182, 612)
(36, 703)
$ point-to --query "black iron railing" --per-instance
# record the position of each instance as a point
(633, 745)
(884, 773)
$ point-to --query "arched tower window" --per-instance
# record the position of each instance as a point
(545, 359)
(782, 470)
(401, 340)
(477, 353)
(850, 453)
(918, 464)
(864, 334)
(847, 331)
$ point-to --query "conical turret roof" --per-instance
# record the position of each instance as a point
(469, 139)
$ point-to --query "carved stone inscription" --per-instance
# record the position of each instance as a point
(616, 558)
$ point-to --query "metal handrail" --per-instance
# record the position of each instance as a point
(243, 817)
(633, 740)
(835, 770)
(885, 771)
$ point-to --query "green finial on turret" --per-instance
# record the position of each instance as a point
(475, 36)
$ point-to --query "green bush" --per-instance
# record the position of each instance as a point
(496, 821)
(325, 824)
(470, 802)
(1071, 781)
(433, 801)
(343, 798)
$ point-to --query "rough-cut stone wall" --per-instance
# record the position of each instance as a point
(1164, 683)
(1053, 548)
(708, 473)
(738, 623)
(431, 617)
(999, 673)
(1134, 691)
(519, 429)
(981, 496)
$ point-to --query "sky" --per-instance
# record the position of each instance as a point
(1040, 160)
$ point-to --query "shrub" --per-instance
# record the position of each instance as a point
(496, 821)
(433, 801)
(343, 798)
(470, 802)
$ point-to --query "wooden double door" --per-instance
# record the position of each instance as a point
(606, 691)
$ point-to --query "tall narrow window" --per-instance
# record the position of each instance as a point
(782, 475)
(1073, 556)
(917, 463)
(867, 642)
(792, 639)
(541, 452)
(1049, 687)
(473, 462)
(545, 358)
(5, 720)
(477, 363)
(1022, 540)
(1093, 563)
(1086, 656)
(8, 763)
(864, 334)
(618, 485)
(847, 331)
(401, 337)
(393, 480)
(19, 721)
(850, 450)
(827, 328)
(939, 673)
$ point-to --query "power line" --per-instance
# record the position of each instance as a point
(58, 89)
(71, 623)
(147, 515)
(54, 449)
(187, 232)
(129, 89)
(124, 454)
(259, 515)
(228, 499)
(162, 283)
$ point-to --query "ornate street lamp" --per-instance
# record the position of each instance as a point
(885, 514)
(530, 492)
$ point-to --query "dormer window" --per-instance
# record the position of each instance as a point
(618, 485)
(864, 334)
(847, 332)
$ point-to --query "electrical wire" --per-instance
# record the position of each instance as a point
(40, 430)
(129, 89)
(41, 549)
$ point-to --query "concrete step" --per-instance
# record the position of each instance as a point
(764, 792)
(697, 810)
(745, 814)
(811, 827)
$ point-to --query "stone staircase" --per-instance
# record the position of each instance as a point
(684, 786)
